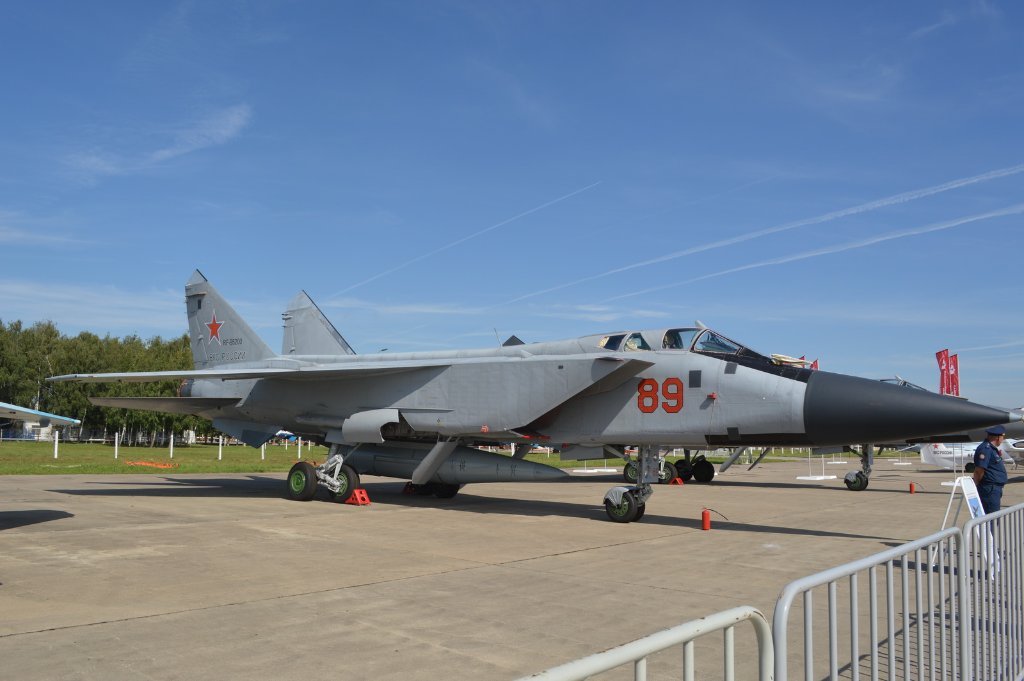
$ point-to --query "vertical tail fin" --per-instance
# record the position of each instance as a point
(308, 332)
(219, 335)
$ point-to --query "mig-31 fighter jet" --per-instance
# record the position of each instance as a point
(421, 416)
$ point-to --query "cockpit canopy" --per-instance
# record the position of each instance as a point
(689, 339)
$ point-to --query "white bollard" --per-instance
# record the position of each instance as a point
(56, 438)
(172, 445)
(117, 441)
(220, 448)
(263, 452)
(300, 448)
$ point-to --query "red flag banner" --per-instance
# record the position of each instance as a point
(943, 358)
(954, 375)
(814, 365)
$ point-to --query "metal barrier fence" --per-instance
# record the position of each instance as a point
(638, 651)
(903, 619)
(947, 606)
(995, 579)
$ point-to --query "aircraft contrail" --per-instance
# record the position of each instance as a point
(466, 238)
(998, 346)
(839, 248)
(827, 217)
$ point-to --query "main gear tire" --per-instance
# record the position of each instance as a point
(631, 472)
(703, 471)
(667, 474)
(348, 478)
(684, 470)
(443, 490)
(301, 482)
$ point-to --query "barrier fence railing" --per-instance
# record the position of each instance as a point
(638, 652)
(995, 574)
(947, 606)
(903, 615)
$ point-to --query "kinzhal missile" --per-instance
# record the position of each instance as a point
(464, 465)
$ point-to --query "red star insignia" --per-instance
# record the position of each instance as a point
(214, 327)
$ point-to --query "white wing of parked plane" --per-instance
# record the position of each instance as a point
(16, 413)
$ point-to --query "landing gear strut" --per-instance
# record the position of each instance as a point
(626, 504)
(857, 481)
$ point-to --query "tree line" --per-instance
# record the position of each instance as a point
(29, 354)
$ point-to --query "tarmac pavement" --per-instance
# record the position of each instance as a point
(203, 576)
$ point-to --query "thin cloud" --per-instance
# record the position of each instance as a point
(464, 239)
(997, 346)
(599, 314)
(18, 237)
(216, 129)
(817, 220)
(31, 231)
(100, 308)
(829, 250)
(405, 309)
(948, 19)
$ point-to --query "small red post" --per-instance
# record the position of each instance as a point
(705, 520)
(912, 488)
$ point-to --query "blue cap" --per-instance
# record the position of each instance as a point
(996, 430)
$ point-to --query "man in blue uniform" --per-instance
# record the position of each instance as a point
(989, 472)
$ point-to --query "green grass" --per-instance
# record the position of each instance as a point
(36, 458)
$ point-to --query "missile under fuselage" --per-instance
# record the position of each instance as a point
(464, 465)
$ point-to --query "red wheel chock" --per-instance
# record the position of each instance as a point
(359, 497)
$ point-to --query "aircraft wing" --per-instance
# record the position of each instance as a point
(342, 370)
(294, 372)
(10, 411)
(190, 406)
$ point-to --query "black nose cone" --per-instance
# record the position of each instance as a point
(841, 409)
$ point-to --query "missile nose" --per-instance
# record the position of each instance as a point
(840, 409)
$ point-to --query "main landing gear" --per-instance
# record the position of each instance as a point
(667, 472)
(340, 479)
(857, 481)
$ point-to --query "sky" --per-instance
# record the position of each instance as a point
(843, 181)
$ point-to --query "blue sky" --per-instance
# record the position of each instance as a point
(840, 180)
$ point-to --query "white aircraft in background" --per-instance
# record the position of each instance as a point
(11, 412)
(959, 456)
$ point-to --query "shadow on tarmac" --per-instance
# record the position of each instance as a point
(250, 486)
(12, 519)
(464, 502)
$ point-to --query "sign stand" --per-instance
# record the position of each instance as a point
(969, 492)
(815, 477)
